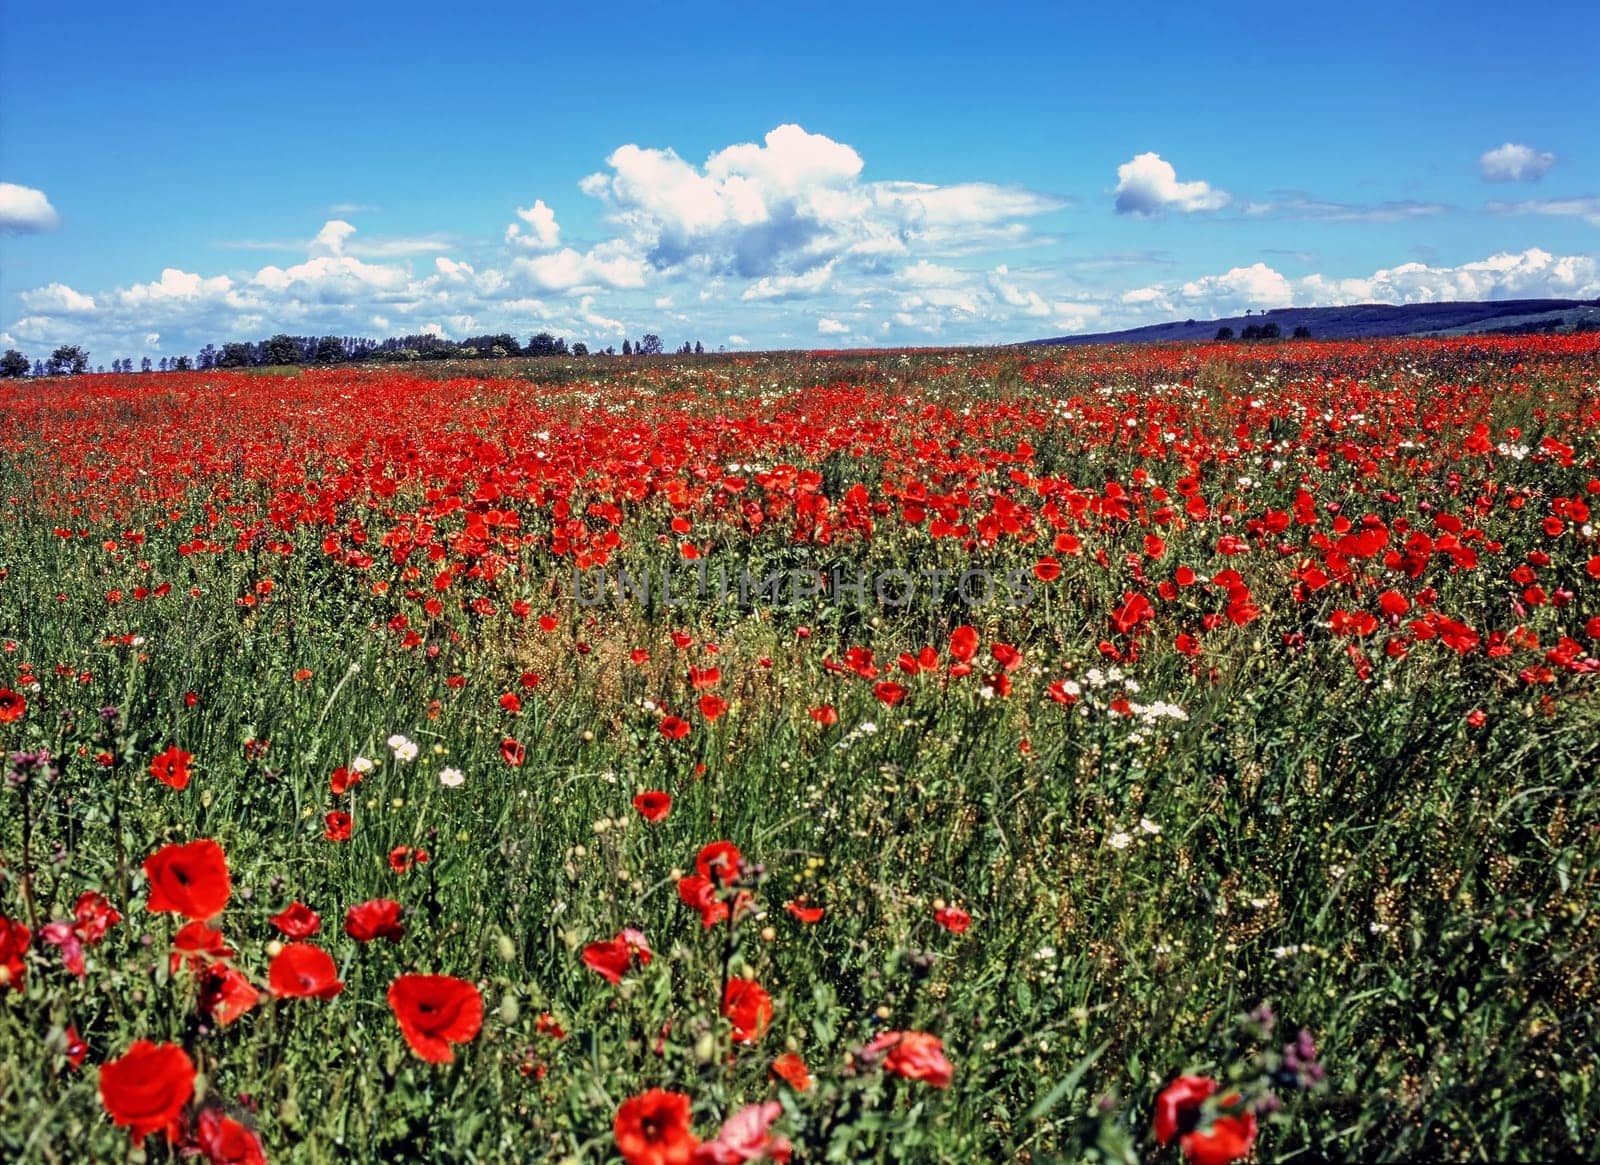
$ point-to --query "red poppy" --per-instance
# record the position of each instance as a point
(511, 702)
(434, 1012)
(342, 779)
(12, 705)
(226, 993)
(147, 1088)
(719, 861)
(824, 714)
(748, 1006)
(225, 1141)
(172, 767)
(95, 915)
(198, 946)
(403, 857)
(379, 918)
(1047, 569)
(512, 752)
(653, 1129)
(1180, 1112)
(653, 806)
(914, 1055)
(712, 706)
(953, 919)
(964, 643)
(698, 893)
(302, 971)
(674, 727)
(191, 880)
(75, 1049)
(336, 826)
(889, 693)
(613, 958)
(297, 920)
(803, 911)
(14, 939)
(791, 1069)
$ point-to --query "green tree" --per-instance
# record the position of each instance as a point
(281, 349)
(13, 364)
(330, 350)
(68, 360)
(1224, 332)
(649, 345)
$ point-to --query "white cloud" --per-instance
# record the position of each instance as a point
(569, 270)
(1530, 274)
(827, 327)
(330, 239)
(152, 340)
(1294, 205)
(789, 205)
(1148, 185)
(56, 298)
(24, 210)
(1515, 163)
(543, 232)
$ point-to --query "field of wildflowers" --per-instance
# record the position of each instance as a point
(1122, 754)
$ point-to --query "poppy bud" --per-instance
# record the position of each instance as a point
(705, 1048)
(505, 948)
(510, 1010)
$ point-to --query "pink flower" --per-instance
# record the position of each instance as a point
(744, 1137)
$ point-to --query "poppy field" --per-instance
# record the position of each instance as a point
(1112, 753)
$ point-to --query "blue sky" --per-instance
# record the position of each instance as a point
(756, 175)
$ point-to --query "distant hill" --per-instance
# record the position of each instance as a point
(1369, 320)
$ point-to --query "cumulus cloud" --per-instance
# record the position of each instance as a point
(56, 298)
(25, 211)
(1515, 163)
(828, 327)
(788, 205)
(1148, 186)
(543, 233)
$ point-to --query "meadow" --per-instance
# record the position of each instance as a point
(1116, 753)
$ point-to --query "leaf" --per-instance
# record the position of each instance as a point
(1067, 1084)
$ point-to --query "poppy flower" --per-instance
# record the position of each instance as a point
(191, 880)
(226, 1141)
(791, 1069)
(379, 918)
(889, 693)
(336, 826)
(653, 806)
(512, 752)
(803, 911)
(435, 1011)
(14, 939)
(62, 935)
(73, 1047)
(172, 767)
(953, 919)
(297, 920)
(613, 958)
(653, 1129)
(95, 915)
(226, 993)
(1180, 1112)
(719, 861)
(674, 727)
(913, 1055)
(744, 1136)
(698, 893)
(302, 971)
(198, 946)
(748, 1006)
(511, 702)
(712, 707)
(964, 643)
(403, 857)
(12, 706)
(147, 1088)
(342, 779)
(824, 714)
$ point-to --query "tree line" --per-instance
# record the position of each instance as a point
(284, 349)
